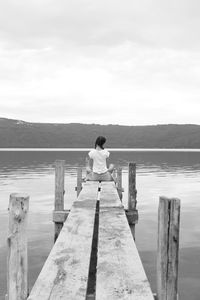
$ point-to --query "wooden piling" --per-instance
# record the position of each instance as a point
(131, 212)
(59, 196)
(17, 268)
(132, 186)
(119, 182)
(168, 248)
(79, 181)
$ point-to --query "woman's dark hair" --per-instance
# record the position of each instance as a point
(100, 141)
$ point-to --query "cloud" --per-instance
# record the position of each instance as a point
(135, 62)
(126, 84)
(50, 22)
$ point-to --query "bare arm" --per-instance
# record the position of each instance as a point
(107, 162)
(89, 163)
(109, 165)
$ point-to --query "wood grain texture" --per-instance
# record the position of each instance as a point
(120, 274)
(17, 268)
(162, 251)
(119, 182)
(172, 287)
(109, 196)
(65, 273)
(59, 184)
(132, 186)
(168, 248)
(59, 194)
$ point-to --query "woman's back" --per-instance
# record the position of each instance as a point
(99, 157)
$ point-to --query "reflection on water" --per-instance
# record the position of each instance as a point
(173, 174)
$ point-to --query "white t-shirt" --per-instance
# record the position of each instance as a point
(99, 160)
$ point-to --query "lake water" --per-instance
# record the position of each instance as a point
(168, 173)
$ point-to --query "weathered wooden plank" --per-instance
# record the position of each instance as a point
(168, 247)
(120, 274)
(17, 268)
(65, 273)
(89, 187)
(109, 195)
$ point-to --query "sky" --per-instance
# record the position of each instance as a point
(100, 61)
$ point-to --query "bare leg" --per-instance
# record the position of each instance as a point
(88, 176)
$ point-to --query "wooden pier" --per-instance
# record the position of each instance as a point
(94, 255)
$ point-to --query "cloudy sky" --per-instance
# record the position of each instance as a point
(100, 61)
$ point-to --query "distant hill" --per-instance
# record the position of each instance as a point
(16, 133)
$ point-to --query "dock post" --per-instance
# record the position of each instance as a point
(132, 186)
(119, 182)
(131, 212)
(168, 248)
(79, 181)
(59, 196)
(17, 266)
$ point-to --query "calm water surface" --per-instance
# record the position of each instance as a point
(168, 173)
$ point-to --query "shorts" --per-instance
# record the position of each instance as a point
(99, 177)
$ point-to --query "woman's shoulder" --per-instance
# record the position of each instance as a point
(91, 152)
(106, 152)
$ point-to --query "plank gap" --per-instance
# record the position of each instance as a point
(91, 288)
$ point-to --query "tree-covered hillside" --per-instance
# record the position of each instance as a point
(15, 133)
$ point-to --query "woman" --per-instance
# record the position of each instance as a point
(97, 161)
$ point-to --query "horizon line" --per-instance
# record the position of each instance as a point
(109, 149)
(109, 124)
